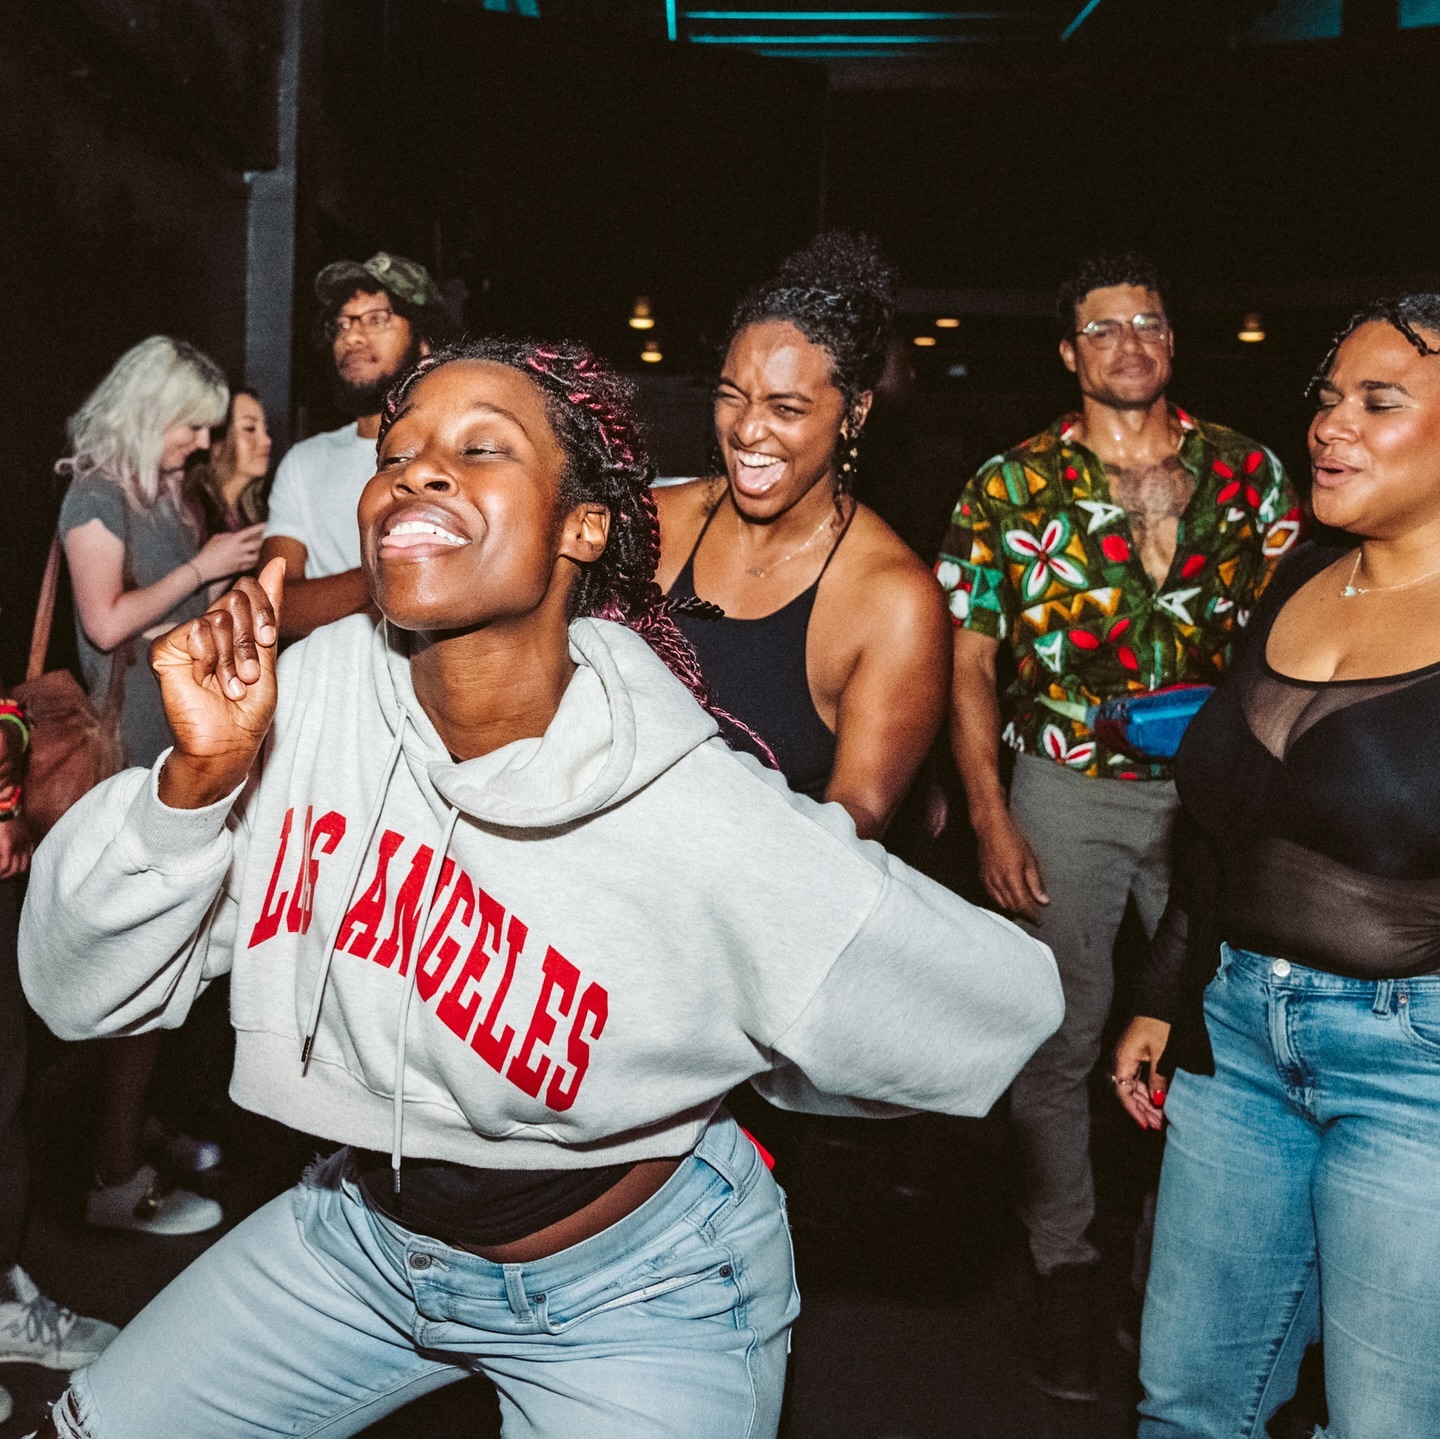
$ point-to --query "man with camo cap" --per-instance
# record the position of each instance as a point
(377, 319)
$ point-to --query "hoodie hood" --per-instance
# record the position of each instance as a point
(624, 719)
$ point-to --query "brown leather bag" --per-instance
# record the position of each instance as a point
(72, 745)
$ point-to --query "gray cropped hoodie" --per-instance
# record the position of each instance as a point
(562, 953)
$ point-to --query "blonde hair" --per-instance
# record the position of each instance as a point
(119, 431)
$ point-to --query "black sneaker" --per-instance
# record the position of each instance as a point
(1066, 1359)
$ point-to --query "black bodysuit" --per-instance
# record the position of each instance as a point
(1310, 828)
(756, 671)
(1322, 802)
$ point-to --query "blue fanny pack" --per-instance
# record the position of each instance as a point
(1147, 726)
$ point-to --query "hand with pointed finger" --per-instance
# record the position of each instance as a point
(217, 680)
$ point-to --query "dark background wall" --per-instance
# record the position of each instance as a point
(124, 216)
(1296, 180)
(556, 171)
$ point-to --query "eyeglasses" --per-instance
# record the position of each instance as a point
(367, 320)
(1148, 329)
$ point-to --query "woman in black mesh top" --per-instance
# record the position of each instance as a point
(1300, 1196)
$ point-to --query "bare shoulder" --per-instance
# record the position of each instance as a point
(682, 510)
(1308, 586)
(683, 497)
(886, 571)
(886, 592)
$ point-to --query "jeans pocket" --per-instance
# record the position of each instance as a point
(692, 1279)
(1419, 1007)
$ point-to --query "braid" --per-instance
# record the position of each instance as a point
(592, 410)
(1409, 314)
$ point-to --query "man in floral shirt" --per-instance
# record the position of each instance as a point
(1115, 553)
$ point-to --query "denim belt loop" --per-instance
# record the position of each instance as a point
(1384, 992)
(515, 1291)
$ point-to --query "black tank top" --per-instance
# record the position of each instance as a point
(756, 670)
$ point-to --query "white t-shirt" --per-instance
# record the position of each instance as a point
(316, 491)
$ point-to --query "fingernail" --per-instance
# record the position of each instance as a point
(1157, 1098)
(236, 689)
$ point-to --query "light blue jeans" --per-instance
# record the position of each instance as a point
(1300, 1199)
(317, 1316)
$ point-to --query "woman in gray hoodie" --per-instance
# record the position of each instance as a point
(499, 902)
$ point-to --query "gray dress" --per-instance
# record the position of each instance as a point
(157, 540)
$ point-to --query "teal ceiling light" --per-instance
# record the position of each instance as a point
(767, 41)
(1069, 32)
(846, 17)
(843, 33)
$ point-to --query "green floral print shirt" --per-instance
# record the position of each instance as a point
(1038, 554)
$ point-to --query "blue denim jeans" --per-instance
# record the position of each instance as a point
(1300, 1199)
(317, 1316)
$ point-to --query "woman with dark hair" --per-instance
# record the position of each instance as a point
(814, 623)
(229, 484)
(1300, 1195)
(500, 904)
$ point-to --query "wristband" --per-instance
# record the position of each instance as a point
(10, 803)
(12, 712)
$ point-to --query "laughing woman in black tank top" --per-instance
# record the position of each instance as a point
(1300, 1196)
(822, 630)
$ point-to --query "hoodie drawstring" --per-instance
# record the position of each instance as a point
(432, 883)
(317, 995)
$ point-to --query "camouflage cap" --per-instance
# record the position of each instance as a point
(406, 280)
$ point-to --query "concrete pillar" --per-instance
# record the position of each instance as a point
(270, 249)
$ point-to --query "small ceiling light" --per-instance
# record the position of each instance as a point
(640, 316)
(1252, 329)
(925, 341)
(651, 353)
(947, 322)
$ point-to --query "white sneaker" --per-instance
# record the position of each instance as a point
(145, 1202)
(37, 1330)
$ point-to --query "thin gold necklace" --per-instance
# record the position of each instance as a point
(760, 572)
(1351, 590)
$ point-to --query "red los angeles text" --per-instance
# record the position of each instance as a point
(468, 995)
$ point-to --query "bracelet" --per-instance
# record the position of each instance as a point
(10, 803)
(12, 712)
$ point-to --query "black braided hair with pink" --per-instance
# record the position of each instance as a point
(592, 411)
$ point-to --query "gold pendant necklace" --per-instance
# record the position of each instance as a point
(760, 572)
(1351, 590)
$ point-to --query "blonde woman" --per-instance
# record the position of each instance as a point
(139, 565)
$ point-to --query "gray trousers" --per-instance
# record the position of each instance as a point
(1099, 842)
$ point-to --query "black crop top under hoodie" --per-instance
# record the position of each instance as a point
(1314, 811)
